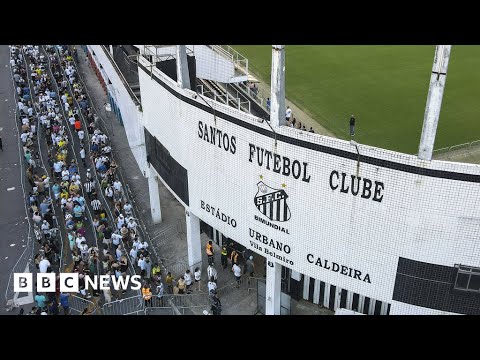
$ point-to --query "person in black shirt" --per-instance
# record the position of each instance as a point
(216, 307)
(352, 126)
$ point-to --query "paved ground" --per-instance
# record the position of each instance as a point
(466, 154)
(13, 223)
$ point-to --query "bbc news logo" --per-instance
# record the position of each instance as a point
(69, 282)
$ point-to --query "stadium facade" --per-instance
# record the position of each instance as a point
(352, 226)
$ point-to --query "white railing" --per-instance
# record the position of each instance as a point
(465, 146)
(240, 61)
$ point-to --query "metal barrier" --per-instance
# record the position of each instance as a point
(467, 147)
(174, 304)
(178, 267)
(78, 305)
(134, 305)
(244, 283)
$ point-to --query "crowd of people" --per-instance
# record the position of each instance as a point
(63, 185)
(75, 198)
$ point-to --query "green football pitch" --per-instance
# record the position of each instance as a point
(385, 87)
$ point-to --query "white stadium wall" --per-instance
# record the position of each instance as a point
(424, 211)
(131, 114)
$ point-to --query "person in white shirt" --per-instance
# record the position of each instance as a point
(71, 119)
(143, 245)
(119, 252)
(79, 240)
(237, 271)
(288, 113)
(212, 272)
(82, 156)
(84, 251)
(133, 254)
(141, 263)
(46, 229)
(212, 286)
(132, 225)
(65, 175)
(43, 265)
(81, 135)
(24, 137)
(136, 243)
(116, 238)
(117, 185)
(127, 208)
(188, 280)
(198, 277)
(120, 221)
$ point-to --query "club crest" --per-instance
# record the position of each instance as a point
(272, 203)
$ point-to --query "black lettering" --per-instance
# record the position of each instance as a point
(279, 246)
(286, 166)
(350, 272)
(305, 173)
(200, 129)
(219, 133)
(276, 163)
(299, 168)
(335, 267)
(366, 188)
(226, 146)
(287, 249)
(260, 154)
(23, 282)
(233, 146)
(202, 204)
(272, 243)
(205, 134)
(268, 155)
(252, 151)
(66, 282)
(208, 208)
(234, 223)
(342, 189)
(326, 265)
(45, 282)
(378, 189)
(319, 262)
(334, 172)
(355, 192)
(258, 236)
(265, 240)
(213, 132)
(367, 278)
(251, 232)
(344, 268)
(224, 217)
(357, 273)
(308, 258)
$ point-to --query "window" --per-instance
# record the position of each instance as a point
(467, 279)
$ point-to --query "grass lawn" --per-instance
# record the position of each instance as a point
(385, 87)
